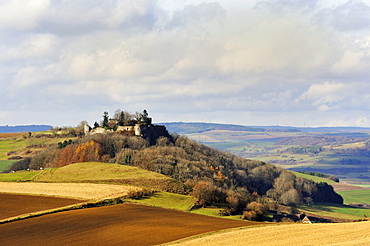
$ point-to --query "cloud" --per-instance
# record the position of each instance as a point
(195, 60)
(32, 47)
(352, 15)
(22, 14)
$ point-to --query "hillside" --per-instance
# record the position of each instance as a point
(95, 171)
(209, 175)
(340, 151)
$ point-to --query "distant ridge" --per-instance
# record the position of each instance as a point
(197, 127)
(24, 128)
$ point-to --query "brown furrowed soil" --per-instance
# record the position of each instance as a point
(357, 233)
(13, 205)
(84, 191)
(123, 224)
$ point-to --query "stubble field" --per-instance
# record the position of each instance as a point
(83, 191)
(357, 233)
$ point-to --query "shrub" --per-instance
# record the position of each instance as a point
(255, 211)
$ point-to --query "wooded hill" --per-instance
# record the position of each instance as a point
(210, 175)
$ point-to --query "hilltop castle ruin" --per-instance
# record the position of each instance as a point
(141, 127)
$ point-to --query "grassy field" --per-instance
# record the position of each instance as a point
(94, 171)
(167, 200)
(288, 235)
(335, 210)
(214, 212)
(356, 196)
(17, 145)
(4, 164)
(313, 178)
(19, 176)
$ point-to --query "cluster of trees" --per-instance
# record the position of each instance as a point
(123, 118)
(210, 175)
(305, 150)
(363, 151)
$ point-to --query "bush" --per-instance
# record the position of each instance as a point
(255, 211)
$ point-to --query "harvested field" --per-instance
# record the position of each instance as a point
(357, 233)
(13, 205)
(123, 224)
(344, 187)
(84, 191)
(8, 135)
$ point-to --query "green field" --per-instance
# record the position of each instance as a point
(167, 200)
(4, 164)
(336, 210)
(20, 176)
(313, 178)
(86, 171)
(20, 144)
(90, 171)
(356, 196)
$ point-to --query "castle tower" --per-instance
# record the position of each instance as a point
(137, 130)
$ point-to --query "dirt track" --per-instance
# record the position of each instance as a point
(14, 205)
(124, 224)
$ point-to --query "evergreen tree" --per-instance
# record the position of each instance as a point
(96, 125)
(105, 119)
(121, 119)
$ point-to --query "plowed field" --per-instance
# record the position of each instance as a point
(124, 224)
(14, 205)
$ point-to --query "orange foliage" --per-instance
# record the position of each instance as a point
(220, 176)
(90, 151)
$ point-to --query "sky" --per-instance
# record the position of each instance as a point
(247, 62)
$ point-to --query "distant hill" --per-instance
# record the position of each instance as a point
(197, 127)
(319, 129)
(24, 128)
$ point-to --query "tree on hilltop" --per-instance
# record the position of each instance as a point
(105, 119)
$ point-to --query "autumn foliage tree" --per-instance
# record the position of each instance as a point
(89, 151)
